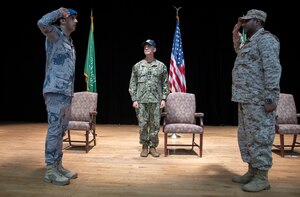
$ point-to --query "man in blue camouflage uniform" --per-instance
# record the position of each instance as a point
(149, 89)
(58, 88)
(255, 87)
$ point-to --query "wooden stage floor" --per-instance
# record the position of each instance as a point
(114, 166)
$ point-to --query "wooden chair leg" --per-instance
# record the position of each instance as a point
(282, 145)
(294, 142)
(69, 138)
(193, 141)
(165, 144)
(200, 144)
(87, 133)
(94, 136)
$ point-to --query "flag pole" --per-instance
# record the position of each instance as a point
(177, 10)
(174, 135)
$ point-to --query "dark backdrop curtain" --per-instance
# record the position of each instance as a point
(119, 28)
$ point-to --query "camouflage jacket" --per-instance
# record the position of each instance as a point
(257, 70)
(60, 56)
(149, 82)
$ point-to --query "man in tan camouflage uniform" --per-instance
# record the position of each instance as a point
(148, 89)
(255, 87)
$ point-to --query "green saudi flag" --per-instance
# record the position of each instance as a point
(90, 62)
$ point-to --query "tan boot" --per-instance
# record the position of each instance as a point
(259, 182)
(246, 178)
(144, 152)
(53, 176)
(67, 173)
(153, 152)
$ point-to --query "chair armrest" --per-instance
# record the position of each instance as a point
(92, 121)
(199, 115)
(163, 116)
(93, 113)
(298, 115)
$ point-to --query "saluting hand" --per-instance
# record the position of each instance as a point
(65, 12)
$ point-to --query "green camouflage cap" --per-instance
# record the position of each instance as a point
(258, 14)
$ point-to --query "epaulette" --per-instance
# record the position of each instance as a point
(264, 32)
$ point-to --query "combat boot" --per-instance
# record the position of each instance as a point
(54, 176)
(153, 152)
(259, 182)
(144, 152)
(247, 177)
(67, 173)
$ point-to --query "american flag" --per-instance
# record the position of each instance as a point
(177, 67)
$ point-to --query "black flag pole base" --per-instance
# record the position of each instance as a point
(174, 136)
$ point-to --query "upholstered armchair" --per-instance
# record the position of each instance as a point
(83, 117)
(180, 117)
(287, 122)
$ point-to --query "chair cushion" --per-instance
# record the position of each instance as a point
(288, 128)
(79, 125)
(180, 108)
(183, 128)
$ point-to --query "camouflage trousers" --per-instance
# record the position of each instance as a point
(256, 133)
(58, 109)
(149, 115)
